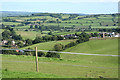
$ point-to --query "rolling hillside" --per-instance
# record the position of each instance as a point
(47, 45)
(106, 46)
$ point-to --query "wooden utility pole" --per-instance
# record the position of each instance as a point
(37, 69)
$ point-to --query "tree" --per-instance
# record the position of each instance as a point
(31, 26)
(36, 26)
(6, 34)
(9, 43)
(40, 27)
(52, 54)
(17, 37)
(57, 21)
(50, 33)
(38, 40)
(20, 43)
(83, 37)
(28, 42)
(60, 37)
(58, 47)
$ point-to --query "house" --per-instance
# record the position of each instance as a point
(13, 42)
(3, 42)
(117, 35)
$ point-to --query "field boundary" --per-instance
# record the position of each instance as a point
(67, 52)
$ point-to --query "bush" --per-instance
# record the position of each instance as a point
(52, 54)
(40, 54)
(70, 45)
(58, 47)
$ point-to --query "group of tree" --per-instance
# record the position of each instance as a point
(48, 14)
(39, 39)
(83, 37)
(9, 33)
(8, 20)
(32, 53)
(44, 28)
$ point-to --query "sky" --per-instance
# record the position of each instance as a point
(61, 6)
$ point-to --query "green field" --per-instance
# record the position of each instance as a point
(29, 34)
(33, 34)
(81, 23)
(70, 66)
(48, 45)
(96, 46)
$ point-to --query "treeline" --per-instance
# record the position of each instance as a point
(83, 37)
(9, 33)
(57, 15)
(48, 14)
(43, 28)
(31, 53)
(8, 20)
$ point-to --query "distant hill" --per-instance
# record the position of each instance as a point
(14, 13)
(20, 13)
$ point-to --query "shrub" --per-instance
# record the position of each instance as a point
(70, 45)
(52, 54)
(40, 54)
(58, 47)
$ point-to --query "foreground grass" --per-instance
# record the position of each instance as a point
(77, 66)
(10, 74)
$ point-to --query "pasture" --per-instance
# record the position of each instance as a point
(69, 66)
(97, 46)
(48, 45)
(29, 34)
(101, 21)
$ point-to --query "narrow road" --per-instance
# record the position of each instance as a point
(68, 52)
(81, 53)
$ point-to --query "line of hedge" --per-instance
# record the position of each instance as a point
(31, 53)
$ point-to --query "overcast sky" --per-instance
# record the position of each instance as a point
(62, 6)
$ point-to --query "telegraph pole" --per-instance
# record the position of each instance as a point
(37, 69)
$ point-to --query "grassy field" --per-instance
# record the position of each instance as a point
(96, 46)
(29, 34)
(33, 34)
(48, 45)
(82, 23)
(70, 66)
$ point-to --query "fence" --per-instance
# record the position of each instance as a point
(23, 52)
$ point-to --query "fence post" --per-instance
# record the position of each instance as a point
(36, 60)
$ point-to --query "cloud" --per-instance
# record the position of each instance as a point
(73, 1)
